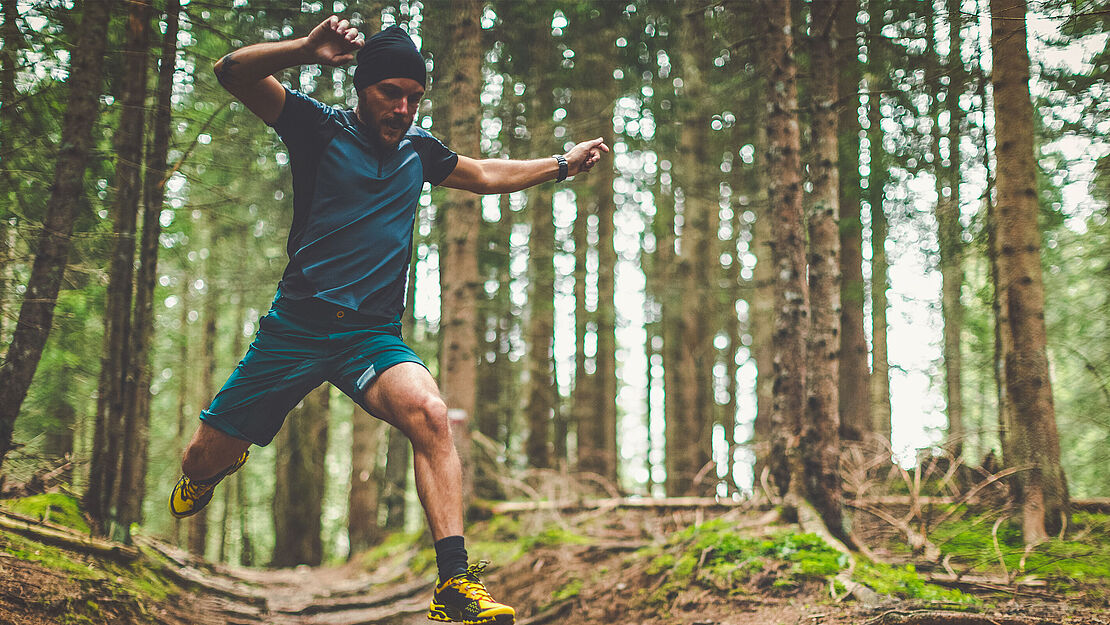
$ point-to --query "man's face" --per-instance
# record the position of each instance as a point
(388, 107)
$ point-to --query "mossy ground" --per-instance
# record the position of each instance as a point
(57, 508)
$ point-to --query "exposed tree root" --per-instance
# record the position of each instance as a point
(812, 523)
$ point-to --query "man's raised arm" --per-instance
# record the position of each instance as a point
(493, 175)
(247, 73)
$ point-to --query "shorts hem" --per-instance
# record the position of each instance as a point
(230, 430)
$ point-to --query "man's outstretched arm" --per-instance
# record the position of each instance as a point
(492, 175)
(247, 73)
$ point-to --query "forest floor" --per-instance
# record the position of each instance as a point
(657, 565)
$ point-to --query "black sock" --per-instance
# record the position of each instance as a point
(450, 557)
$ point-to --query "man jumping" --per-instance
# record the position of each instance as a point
(357, 179)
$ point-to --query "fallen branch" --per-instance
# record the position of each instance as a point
(66, 538)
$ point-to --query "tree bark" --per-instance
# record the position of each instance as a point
(855, 374)
(299, 486)
(542, 394)
(36, 313)
(367, 437)
(949, 230)
(136, 374)
(462, 217)
(9, 181)
(876, 196)
(821, 430)
(791, 318)
(198, 524)
(1042, 490)
(690, 425)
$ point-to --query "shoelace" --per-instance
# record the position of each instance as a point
(192, 490)
(471, 586)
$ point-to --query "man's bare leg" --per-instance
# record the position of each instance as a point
(210, 452)
(406, 396)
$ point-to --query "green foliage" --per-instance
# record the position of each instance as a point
(715, 555)
(1084, 556)
(56, 508)
(904, 582)
(553, 537)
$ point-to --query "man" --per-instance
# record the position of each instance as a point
(357, 178)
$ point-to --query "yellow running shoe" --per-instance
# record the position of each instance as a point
(464, 599)
(190, 496)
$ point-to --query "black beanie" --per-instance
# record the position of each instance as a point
(389, 54)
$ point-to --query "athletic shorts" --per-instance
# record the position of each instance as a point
(301, 344)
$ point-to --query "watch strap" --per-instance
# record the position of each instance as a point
(563, 169)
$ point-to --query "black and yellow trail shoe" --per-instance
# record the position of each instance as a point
(464, 599)
(190, 496)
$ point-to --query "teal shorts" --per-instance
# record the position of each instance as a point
(300, 344)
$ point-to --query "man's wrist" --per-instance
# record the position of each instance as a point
(563, 167)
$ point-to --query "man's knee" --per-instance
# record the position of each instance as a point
(427, 420)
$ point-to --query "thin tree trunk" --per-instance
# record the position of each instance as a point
(462, 217)
(1042, 490)
(9, 60)
(105, 497)
(950, 232)
(763, 303)
(198, 524)
(542, 394)
(299, 488)
(136, 369)
(605, 375)
(821, 430)
(876, 195)
(367, 436)
(791, 291)
(184, 371)
(690, 426)
(855, 374)
(36, 314)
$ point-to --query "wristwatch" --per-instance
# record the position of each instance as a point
(562, 167)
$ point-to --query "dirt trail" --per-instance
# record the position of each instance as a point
(302, 596)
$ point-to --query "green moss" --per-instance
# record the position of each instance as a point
(47, 555)
(553, 537)
(660, 563)
(904, 582)
(1084, 554)
(568, 591)
(57, 508)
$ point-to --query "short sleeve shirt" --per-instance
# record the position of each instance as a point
(354, 205)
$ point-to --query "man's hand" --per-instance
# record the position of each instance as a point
(582, 157)
(333, 42)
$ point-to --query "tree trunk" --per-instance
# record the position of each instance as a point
(299, 488)
(788, 253)
(105, 498)
(36, 314)
(542, 394)
(1042, 490)
(367, 437)
(821, 430)
(605, 374)
(855, 374)
(9, 180)
(763, 302)
(462, 217)
(949, 230)
(198, 524)
(397, 465)
(876, 195)
(135, 371)
(690, 426)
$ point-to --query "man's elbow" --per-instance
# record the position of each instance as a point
(225, 74)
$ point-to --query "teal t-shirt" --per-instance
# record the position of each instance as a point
(354, 206)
